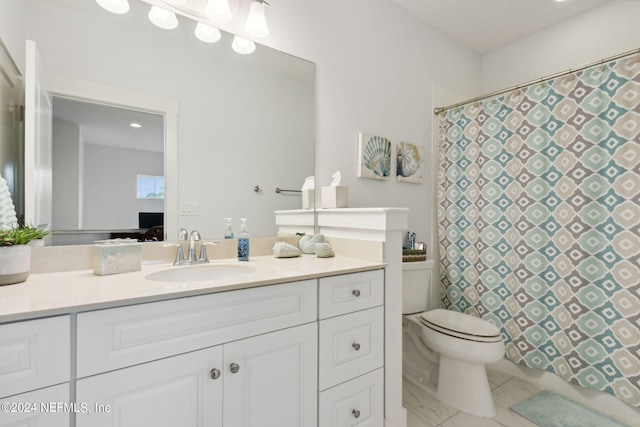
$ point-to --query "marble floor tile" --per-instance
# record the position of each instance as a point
(423, 407)
(512, 392)
(423, 410)
(497, 378)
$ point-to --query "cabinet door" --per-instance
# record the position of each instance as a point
(180, 391)
(271, 379)
(47, 407)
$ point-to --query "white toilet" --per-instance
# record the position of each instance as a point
(444, 351)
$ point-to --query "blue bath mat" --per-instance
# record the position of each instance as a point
(548, 409)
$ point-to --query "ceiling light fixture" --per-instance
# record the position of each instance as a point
(256, 24)
(219, 11)
(115, 6)
(163, 18)
(207, 33)
(243, 46)
(135, 125)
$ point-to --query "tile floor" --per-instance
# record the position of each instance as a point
(425, 411)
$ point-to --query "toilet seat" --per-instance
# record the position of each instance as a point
(460, 325)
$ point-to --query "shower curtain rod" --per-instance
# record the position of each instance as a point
(439, 110)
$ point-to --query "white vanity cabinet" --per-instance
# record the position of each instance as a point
(269, 378)
(264, 380)
(35, 366)
(351, 350)
(300, 354)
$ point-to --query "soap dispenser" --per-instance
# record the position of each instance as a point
(243, 241)
(228, 234)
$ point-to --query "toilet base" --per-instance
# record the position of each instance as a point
(465, 386)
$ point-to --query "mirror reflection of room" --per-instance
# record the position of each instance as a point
(108, 171)
(240, 121)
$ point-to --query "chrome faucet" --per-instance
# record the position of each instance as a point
(191, 257)
(193, 238)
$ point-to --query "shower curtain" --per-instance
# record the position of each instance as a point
(539, 223)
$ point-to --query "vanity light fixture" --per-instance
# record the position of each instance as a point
(163, 18)
(242, 45)
(115, 6)
(256, 24)
(219, 11)
(207, 33)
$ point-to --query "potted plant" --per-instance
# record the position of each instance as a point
(15, 252)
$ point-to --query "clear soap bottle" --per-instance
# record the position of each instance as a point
(243, 241)
(228, 234)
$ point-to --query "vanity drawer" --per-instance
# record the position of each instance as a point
(47, 406)
(34, 354)
(350, 292)
(350, 345)
(114, 338)
(359, 402)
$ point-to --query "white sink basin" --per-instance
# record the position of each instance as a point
(200, 273)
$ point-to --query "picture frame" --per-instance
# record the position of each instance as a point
(374, 157)
(409, 163)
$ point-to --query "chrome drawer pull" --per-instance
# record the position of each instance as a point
(356, 292)
(356, 346)
(234, 367)
(215, 374)
(356, 413)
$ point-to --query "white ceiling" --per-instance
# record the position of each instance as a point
(486, 25)
(109, 125)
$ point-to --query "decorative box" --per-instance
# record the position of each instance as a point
(335, 197)
(116, 256)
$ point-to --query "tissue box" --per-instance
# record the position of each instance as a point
(335, 197)
(116, 256)
(308, 198)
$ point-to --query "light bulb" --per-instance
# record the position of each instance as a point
(115, 6)
(207, 33)
(256, 24)
(163, 18)
(219, 11)
(242, 45)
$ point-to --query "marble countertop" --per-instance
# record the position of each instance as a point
(50, 294)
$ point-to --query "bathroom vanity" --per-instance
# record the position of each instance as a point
(294, 342)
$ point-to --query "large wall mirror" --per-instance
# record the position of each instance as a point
(244, 124)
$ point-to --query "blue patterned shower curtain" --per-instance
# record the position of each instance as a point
(539, 223)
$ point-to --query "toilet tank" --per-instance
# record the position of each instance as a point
(416, 286)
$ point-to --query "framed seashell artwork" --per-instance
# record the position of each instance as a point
(374, 156)
(410, 163)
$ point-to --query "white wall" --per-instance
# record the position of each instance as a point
(110, 181)
(67, 160)
(12, 29)
(376, 65)
(597, 34)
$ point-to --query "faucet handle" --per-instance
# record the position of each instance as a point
(203, 251)
(179, 254)
(182, 234)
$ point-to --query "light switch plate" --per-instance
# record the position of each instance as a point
(190, 208)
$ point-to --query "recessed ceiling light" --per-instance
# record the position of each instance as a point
(135, 125)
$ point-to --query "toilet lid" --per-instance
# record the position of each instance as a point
(461, 325)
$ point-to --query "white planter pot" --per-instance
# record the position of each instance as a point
(15, 262)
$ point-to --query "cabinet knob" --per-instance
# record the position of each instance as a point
(215, 373)
(356, 292)
(356, 346)
(234, 367)
(356, 413)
